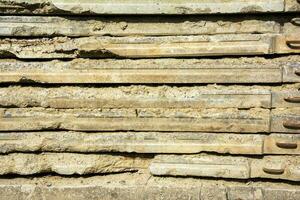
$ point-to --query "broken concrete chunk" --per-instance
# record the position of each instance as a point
(133, 186)
(292, 26)
(273, 167)
(286, 120)
(286, 97)
(287, 44)
(94, 7)
(149, 47)
(276, 167)
(228, 70)
(148, 76)
(291, 73)
(292, 5)
(152, 97)
(149, 142)
(142, 142)
(206, 120)
(203, 166)
(282, 144)
(138, 97)
(169, 7)
(37, 26)
(68, 164)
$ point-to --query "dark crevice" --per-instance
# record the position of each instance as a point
(33, 83)
(52, 174)
(122, 130)
(220, 57)
(244, 181)
(62, 13)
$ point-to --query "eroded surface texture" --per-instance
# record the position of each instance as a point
(143, 7)
(145, 99)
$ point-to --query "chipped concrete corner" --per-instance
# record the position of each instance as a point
(132, 100)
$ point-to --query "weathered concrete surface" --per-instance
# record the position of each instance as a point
(69, 164)
(292, 5)
(203, 120)
(273, 167)
(142, 142)
(149, 47)
(226, 70)
(210, 96)
(140, 97)
(255, 120)
(202, 166)
(33, 26)
(276, 167)
(249, 132)
(137, 187)
(287, 44)
(149, 142)
(282, 144)
(285, 97)
(143, 7)
(249, 193)
(286, 120)
(292, 26)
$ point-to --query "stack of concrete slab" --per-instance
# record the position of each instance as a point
(126, 99)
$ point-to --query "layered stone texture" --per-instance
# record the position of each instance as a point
(145, 99)
(137, 186)
(150, 47)
(143, 71)
(273, 167)
(150, 142)
(94, 7)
